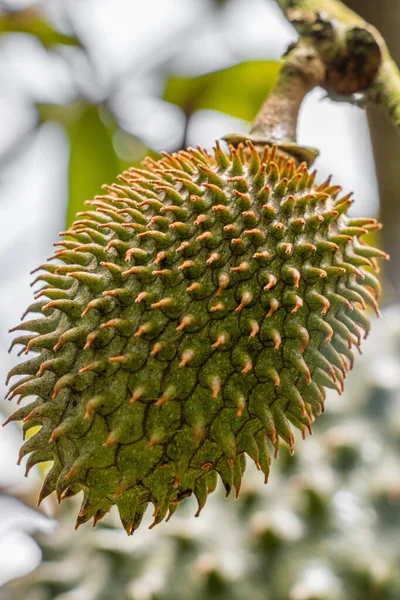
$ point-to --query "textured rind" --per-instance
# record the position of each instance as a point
(280, 538)
(193, 314)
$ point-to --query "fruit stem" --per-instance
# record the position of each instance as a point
(276, 122)
(277, 119)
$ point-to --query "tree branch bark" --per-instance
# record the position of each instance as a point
(386, 145)
(352, 40)
(333, 8)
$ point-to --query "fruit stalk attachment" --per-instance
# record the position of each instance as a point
(276, 122)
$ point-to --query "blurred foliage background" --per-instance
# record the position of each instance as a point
(91, 87)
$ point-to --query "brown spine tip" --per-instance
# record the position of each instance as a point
(246, 299)
(222, 339)
(255, 328)
(156, 349)
(248, 366)
(187, 356)
(141, 296)
(273, 307)
(215, 387)
(193, 287)
(223, 282)
(242, 268)
(142, 329)
(186, 320)
(272, 281)
(217, 307)
(137, 394)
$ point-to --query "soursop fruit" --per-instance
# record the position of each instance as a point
(192, 315)
(325, 528)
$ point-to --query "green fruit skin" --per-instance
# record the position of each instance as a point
(192, 315)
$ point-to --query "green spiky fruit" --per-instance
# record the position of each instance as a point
(320, 529)
(199, 309)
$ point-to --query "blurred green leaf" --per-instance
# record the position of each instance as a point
(100, 149)
(239, 90)
(64, 114)
(93, 160)
(221, 3)
(31, 21)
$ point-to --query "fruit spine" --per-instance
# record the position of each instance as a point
(204, 304)
(278, 533)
